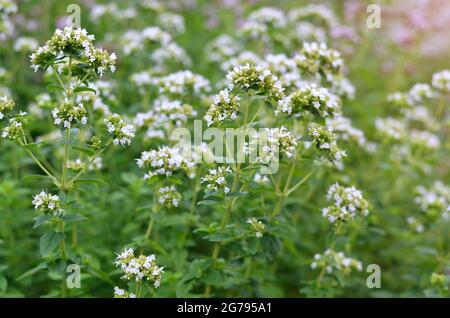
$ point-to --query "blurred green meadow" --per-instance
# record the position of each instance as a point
(114, 203)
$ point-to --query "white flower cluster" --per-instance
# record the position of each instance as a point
(165, 111)
(441, 81)
(121, 131)
(315, 12)
(183, 82)
(315, 100)
(434, 201)
(216, 179)
(7, 7)
(246, 57)
(68, 113)
(169, 196)
(225, 106)
(269, 17)
(222, 48)
(139, 268)
(47, 203)
(133, 40)
(306, 31)
(275, 143)
(415, 224)
(257, 227)
(420, 92)
(342, 87)
(324, 139)
(390, 128)
(14, 131)
(6, 105)
(170, 54)
(347, 202)
(285, 68)
(331, 261)
(399, 99)
(164, 161)
(424, 139)
(98, 11)
(254, 30)
(78, 44)
(260, 179)
(25, 44)
(318, 58)
(256, 78)
(171, 22)
(76, 165)
(343, 126)
(121, 293)
(164, 114)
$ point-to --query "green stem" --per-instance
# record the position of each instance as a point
(66, 157)
(36, 160)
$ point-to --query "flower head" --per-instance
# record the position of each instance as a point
(346, 203)
(257, 227)
(47, 203)
(141, 268)
(216, 179)
(164, 161)
(256, 78)
(121, 131)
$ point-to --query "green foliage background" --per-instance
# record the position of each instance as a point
(281, 267)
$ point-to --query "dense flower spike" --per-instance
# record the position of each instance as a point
(121, 293)
(347, 202)
(332, 261)
(441, 81)
(47, 203)
(325, 141)
(183, 82)
(7, 8)
(222, 48)
(343, 127)
(216, 179)
(257, 227)
(276, 143)
(121, 131)
(270, 17)
(14, 130)
(419, 93)
(25, 44)
(434, 201)
(169, 196)
(68, 113)
(318, 58)
(255, 78)
(390, 128)
(315, 100)
(75, 43)
(141, 268)
(6, 105)
(164, 161)
(225, 106)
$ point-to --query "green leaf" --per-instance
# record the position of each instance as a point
(207, 202)
(84, 89)
(220, 237)
(38, 221)
(54, 87)
(36, 176)
(72, 218)
(49, 241)
(32, 271)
